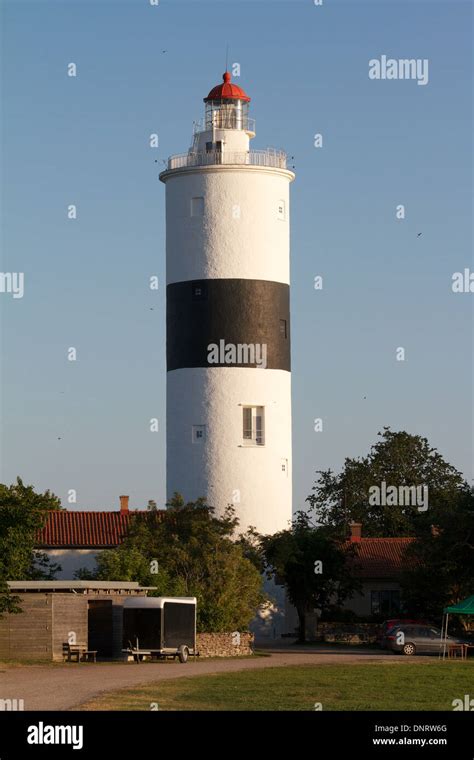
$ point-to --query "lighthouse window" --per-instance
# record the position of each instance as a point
(281, 210)
(210, 146)
(197, 206)
(283, 328)
(253, 425)
(199, 433)
(199, 291)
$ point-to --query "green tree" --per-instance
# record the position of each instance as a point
(398, 459)
(196, 555)
(252, 549)
(312, 565)
(439, 568)
(22, 513)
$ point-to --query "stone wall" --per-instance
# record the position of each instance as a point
(224, 644)
(348, 633)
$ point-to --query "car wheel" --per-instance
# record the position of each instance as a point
(183, 653)
(409, 649)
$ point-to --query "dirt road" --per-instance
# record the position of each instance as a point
(64, 687)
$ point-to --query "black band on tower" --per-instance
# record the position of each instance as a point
(228, 323)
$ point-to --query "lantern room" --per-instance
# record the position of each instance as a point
(227, 107)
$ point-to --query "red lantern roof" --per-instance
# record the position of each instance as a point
(227, 90)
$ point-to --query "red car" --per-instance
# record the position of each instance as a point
(387, 625)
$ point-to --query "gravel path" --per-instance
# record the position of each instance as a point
(64, 687)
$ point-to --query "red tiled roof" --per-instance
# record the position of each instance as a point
(379, 557)
(85, 529)
(374, 557)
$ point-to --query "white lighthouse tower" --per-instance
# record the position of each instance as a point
(228, 322)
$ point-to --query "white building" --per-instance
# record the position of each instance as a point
(228, 322)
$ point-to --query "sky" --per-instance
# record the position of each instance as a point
(84, 425)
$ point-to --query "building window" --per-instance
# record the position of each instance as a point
(385, 603)
(199, 433)
(284, 467)
(253, 425)
(281, 210)
(217, 146)
(197, 206)
(199, 291)
(283, 331)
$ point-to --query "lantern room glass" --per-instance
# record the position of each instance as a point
(227, 113)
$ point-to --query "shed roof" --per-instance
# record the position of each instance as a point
(78, 586)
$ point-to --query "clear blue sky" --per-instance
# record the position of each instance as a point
(84, 140)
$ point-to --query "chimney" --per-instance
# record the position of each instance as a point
(356, 532)
(124, 503)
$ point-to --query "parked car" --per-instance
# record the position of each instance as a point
(387, 625)
(419, 639)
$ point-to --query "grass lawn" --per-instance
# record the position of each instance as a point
(384, 686)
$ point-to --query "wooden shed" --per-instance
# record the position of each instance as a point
(53, 610)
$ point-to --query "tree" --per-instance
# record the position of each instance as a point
(312, 565)
(398, 459)
(252, 549)
(194, 554)
(443, 551)
(22, 513)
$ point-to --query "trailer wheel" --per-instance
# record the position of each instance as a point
(183, 653)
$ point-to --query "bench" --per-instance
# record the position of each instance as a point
(78, 651)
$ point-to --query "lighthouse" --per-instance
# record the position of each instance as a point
(228, 406)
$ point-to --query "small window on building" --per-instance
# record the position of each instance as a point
(253, 425)
(199, 291)
(281, 210)
(199, 433)
(284, 467)
(283, 328)
(197, 206)
(217, 146)
(385, 602)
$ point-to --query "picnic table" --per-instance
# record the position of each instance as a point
(466, 648)
(459, 650)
